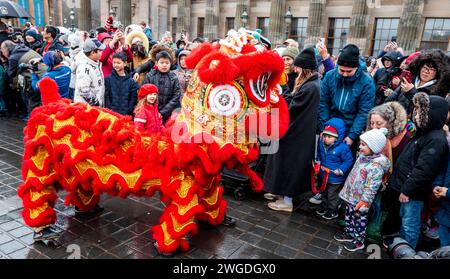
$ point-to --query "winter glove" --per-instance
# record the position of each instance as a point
(362, 206)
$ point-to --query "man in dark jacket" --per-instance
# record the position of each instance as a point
(19, 54)
(382, 77)
(347, 92)
(167, 82)
(415, 170)
(51, 43)
(4, 32)
(120, 88)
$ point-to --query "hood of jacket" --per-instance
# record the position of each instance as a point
(339, 125)
(394, 113)
(19, 50)
(442, 61)
(394, 56)
(185, 53)
(433, 111)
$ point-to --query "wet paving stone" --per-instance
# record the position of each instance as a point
(27, 253)
(285, 252)
(21, 231)
(268, 245)
(11, 225)
(4, 238)
(319, 243)
(11, 246)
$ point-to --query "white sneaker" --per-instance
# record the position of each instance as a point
(316, 199)
(271, 197)
(279, 205)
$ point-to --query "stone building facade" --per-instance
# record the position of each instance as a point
(370, 24)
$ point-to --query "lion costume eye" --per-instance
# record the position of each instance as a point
(228, 100)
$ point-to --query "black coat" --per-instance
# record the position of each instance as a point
(120, 93)
(420, 161)
(288, 170)
(405, 99)
(169, 95)
(55, 46)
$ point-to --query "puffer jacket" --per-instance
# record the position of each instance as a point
(90, 84)
(338, 156)
(365, 179)
(419, 163)
(120, 93)
(148, 119)
(169, 95)
(183, 75)
(22, 54)
(349, 98)
(73, 55)
(61, 75)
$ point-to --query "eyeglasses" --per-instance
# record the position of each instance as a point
(428, 69)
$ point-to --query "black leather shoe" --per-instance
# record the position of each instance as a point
(229, 221)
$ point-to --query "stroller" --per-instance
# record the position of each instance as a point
(239, 183)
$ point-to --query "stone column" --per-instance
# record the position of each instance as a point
(31, 10)
(46, 11)
(358, 24)
(277, 25)
(160, 18)
(184, 17)
(314, 28)
(125, 12)
(212, 19)
(84, 15)
(59, 13)
(409, 25)
(241, 5)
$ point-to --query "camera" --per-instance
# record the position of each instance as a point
(29, 66)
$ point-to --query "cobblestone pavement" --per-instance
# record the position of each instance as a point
(123, 229)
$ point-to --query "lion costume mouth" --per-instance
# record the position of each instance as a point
(259, 87)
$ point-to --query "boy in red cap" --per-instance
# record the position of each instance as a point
(336, 159)
(147, 116)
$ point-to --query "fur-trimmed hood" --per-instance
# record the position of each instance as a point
(394, 114)
(433, 111)
(442, 61)
(159, 47)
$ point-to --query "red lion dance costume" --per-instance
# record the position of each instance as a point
(232, 98)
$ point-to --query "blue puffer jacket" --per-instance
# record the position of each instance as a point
(443, 179)
(120, 93)
(338, 156)
(61, 75)
(349, 98)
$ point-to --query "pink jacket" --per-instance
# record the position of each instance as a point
(149, 119)
(107, 59)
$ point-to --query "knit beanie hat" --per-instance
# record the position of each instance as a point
(375, 139)
(349, 56)
(291, 52)
(330, 130)
(32, 33)
(74, 40)
(147, 89)
(109, 23)
(306, 59)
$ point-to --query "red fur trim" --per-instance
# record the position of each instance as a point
(47, 217)
(197, 54)
(252, 65)
(217, 68)
(214, 221)
(49, 91)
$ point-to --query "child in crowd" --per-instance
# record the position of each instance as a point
(167, 82)
(440, 191)
(336, 159)
(120, 88)
(361, 187)
(146, 112)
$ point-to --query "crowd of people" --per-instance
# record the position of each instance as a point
(369, 135)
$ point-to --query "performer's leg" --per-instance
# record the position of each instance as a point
(215, 205)
(177, 220)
